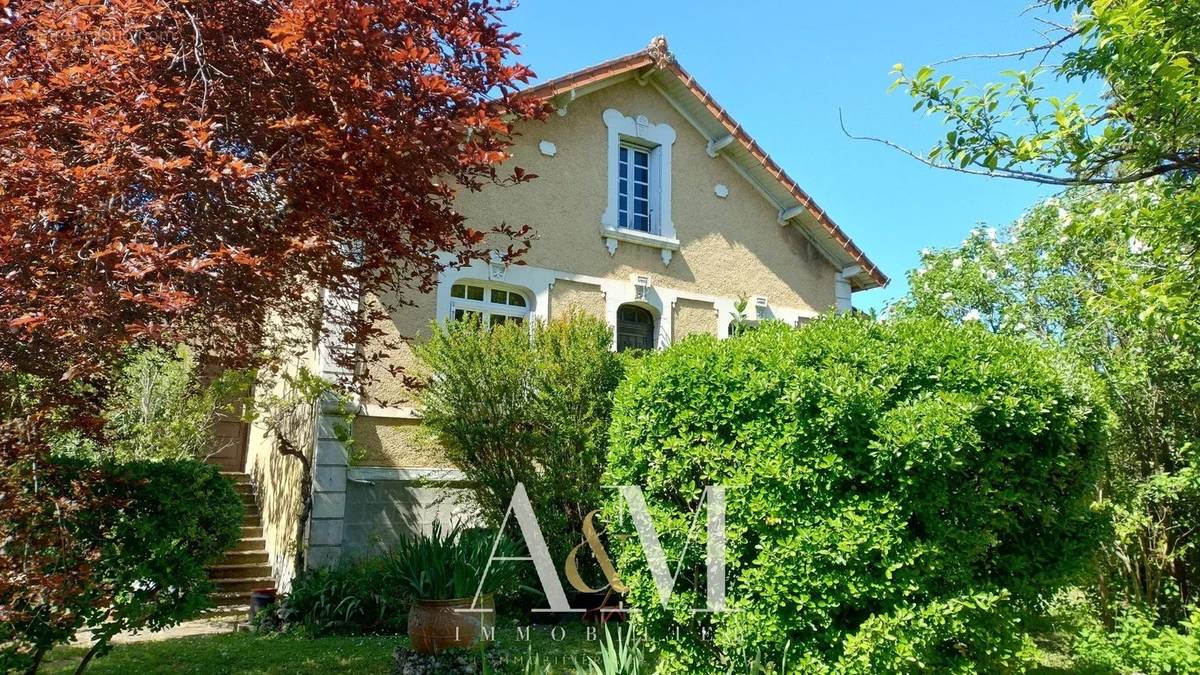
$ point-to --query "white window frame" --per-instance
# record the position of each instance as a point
(631, 151)
(657, 140)
(486, 308)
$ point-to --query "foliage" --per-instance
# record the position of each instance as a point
(145, 537)
(357, 597)
(621, 655)
(448, 564)
(1138, 644)
(1146, 124)
(868, 467)
(1072, 273)
(178, 517)
(48, 573)
(159, 407)
(975, 633)
(514, 408)
(176, 172)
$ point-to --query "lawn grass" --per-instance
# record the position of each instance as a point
(292, 655)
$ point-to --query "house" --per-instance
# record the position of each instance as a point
(655, 211)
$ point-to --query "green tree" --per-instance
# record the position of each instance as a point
(1146, 124)
(1071, 273)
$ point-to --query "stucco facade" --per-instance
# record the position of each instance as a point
(728, 227)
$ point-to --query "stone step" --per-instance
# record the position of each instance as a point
(235, 599)
(242, 571)
(243, 586)
(255, 544)
(250, 519)
(241, 611)
(251, 532)
(238, 477)
(259, 557)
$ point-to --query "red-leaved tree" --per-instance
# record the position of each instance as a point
(197, 170)
(179, 170)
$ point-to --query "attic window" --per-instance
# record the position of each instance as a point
(639, 184)
(634, 188)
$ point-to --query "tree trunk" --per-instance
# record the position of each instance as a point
(306, 504)
(87, 658)
(38, 655)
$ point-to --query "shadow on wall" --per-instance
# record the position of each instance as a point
(379, 512)
(276, 478)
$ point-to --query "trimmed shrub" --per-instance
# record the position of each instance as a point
(871, 469)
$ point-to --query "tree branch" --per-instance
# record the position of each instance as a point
(1017, 174)
(1018, 54)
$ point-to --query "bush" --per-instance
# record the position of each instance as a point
(178, 517)
(371, 595)
(871, 469)
(354, 598)
(1138, 643)
(151, 531)
(514, 409)
(449, 564)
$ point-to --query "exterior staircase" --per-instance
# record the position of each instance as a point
(245, 567)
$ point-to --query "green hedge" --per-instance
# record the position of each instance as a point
(875, 471)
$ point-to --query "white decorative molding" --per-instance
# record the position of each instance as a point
(370, 474)
(547, 148)
(787, 214)
(536, 283)
(661, 137)
(390, 412)
(612, 235)
(716, 145)
(721, 190)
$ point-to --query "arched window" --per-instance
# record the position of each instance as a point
(491, 304)
(635, 328)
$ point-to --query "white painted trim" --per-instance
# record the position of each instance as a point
(389, 412)
(410, 475)
(537, 282)
(661, 137)
(716, 145)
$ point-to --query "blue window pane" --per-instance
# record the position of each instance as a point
(623, 170)
(641, 174)
(623, 203)
(623, 219)
(624, 154)
(640, 158)
(641, 190)
(623, 187)
(642, 223)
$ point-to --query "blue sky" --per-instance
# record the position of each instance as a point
(783, 70)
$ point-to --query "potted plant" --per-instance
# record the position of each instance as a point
(442, 570)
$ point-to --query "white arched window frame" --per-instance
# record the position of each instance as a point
(492, 303)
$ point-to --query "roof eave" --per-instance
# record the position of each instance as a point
(848, 254)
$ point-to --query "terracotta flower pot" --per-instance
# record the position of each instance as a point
(434, 626)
